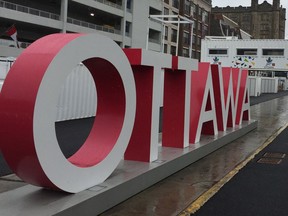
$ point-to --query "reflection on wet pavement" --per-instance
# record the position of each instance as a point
(175, 193)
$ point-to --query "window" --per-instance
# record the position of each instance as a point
(246, 51)
(174, 36)
(166, 32)
(186, 52)
(154, 36)
(264, 26)
(199, 25)
(265, 17)
(198, 41)
(165, 48)
(273, 52)
(186, 38)
(218, 51)
(175, 3)
(187, 7)
(166, 11)
(205, 17)
(199, 11)
(204, 31)
(193, 10)
(154, 11)
(127, 28)
(129, 4)
(173, 50)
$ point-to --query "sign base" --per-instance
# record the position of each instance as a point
(129, 178)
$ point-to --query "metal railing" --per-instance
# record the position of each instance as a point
(53, 16)
(93, 26)
(28, 10)
(109, 3)
(11, 43)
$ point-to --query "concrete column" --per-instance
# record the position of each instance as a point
(123, 22)
(63, 14)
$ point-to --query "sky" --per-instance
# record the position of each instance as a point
(224, 3)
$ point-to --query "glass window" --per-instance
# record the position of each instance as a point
(173, 50)
(175, 3)
(218, 51)
(166, 11)
(193, 10)
(186, 52)
(186, 38)
(274, 52)
(129, 4)
(174, 36)
(166, 33)
(246, 51)
(187, 7)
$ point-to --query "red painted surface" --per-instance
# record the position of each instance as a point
(109, 117)
(243, 112)
(17, 99)
(19, 94)
(174, 106)
(223, 94)
(229, 99)
(198, 86)
(216, 77)
(139, 144)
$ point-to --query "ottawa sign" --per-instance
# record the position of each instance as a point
(199, 98)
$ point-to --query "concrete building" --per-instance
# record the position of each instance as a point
(124, 21)
(262, 21)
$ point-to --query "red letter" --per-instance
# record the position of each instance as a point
(203, 113)
(224, 97)
(28, 111)
(242, 98)
(176, 109)
(147, 68)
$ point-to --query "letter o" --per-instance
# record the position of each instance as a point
(29, 104)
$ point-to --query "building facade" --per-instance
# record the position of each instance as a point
(197, 11)
(124, 21)
(262, 21)
(127, 22)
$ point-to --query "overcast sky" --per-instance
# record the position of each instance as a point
(231, 3)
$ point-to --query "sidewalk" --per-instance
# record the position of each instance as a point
(172, 195)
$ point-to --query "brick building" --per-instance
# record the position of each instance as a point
(262, 21)
(196, 10)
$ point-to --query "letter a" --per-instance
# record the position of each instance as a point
(203, 113)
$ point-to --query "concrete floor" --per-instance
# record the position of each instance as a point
(172, 195)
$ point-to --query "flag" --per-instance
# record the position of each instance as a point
(12, 32)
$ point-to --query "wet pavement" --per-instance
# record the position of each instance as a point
(172, 195)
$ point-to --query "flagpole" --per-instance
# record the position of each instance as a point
(12, 32)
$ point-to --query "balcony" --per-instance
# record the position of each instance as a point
(41, 13)
(104, 28)
(32, 11)
(110, 4)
